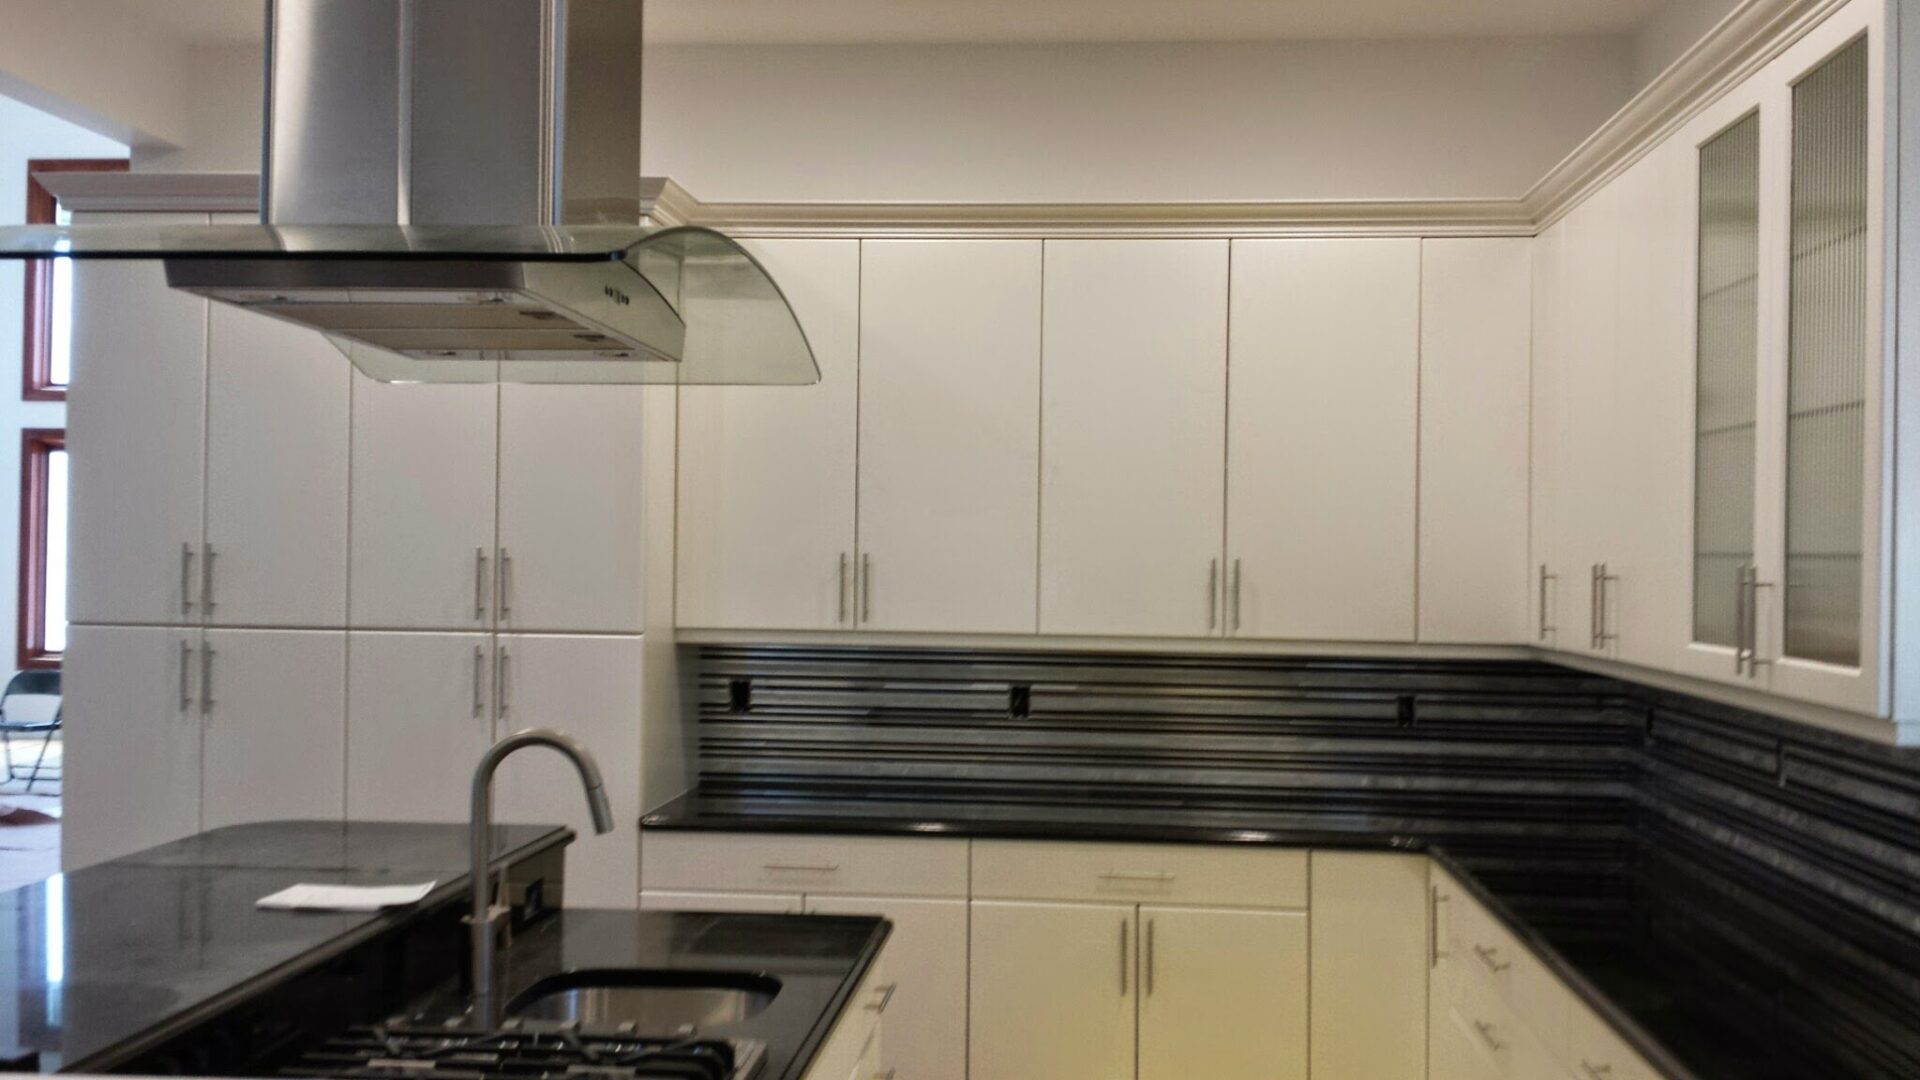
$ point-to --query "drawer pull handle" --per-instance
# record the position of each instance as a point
(1486, 1034)
(1491, 957)
(1596, 1072)
(801, 868)
(1138, 879)
(886, 997)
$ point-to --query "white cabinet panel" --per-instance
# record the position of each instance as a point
(276, 473)
(423, 504)
(1223, 994)
(588, 687)
(926, 955)
(1370, 957)
(1586, 446)
(135, 433)
(570, 509)
(419, 715)
(274, 714)
(1322, 421)
(1133, 436)
(1474, 343)
(1052, 992)
(132, 741)
(767, 472)
(949, 435)
(1548, 570)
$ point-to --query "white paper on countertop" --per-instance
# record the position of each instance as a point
(307, 897)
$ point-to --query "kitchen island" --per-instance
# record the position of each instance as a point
(161, 962)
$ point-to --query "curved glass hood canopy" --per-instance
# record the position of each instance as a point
(529, 303)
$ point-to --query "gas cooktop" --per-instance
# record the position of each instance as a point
(522, 1051)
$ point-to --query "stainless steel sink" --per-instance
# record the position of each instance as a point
(651, 1001)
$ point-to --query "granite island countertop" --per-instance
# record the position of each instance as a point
(1711, 967)
(114, 958)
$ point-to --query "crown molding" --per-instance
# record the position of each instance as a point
(131, 192)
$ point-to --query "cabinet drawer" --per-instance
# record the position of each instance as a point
(741, 862)
(1212, 876)
(856, 1037)
(1488, 951)
(1594, 1052)
(1505, 1042)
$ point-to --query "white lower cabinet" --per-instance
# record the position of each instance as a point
(419, 709)
(132, 741)
(1052, 991)
(1223, 994)
(1370, 949)
(273, 709)
(926, 1020)
(752, 903)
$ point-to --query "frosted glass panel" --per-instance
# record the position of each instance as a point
(1726, 374)
(1826, 361)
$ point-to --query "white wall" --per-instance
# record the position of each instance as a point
(1124, 122)
(98, 64)
(25, 133)
(222, 129)
(1672, 31)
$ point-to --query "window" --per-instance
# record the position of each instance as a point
(49, 315)
(43, 547)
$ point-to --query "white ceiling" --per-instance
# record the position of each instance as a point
(846, 21)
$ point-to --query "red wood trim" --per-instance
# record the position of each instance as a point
(37, 350)
(35, 446)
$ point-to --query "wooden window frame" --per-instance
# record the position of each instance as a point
(36, 356)
(36, 448)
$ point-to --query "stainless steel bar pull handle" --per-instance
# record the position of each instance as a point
(479, 663)
(206, 678)
(505, 696)
(206, 577)
(186, 690)
(840, 594)
(1604, 579)
(866, 588)
(1593, 606)
(1486, 1035)
(1740, 574)
(1433, 925)
(1754, 585)
(186, 577)
(1213, 593)
(479, 583)
(884, 997)
(1236, 594)
(1123, 958)
(1596, 1072)
(1491, 957)
(1545, 627)
(504, 591)
(1149, 964)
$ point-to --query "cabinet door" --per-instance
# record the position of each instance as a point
(949, 435)
(419, 715)
(423, 505)
(1585, 463)
(1548, 572)
(1474, 344)
(767, 472)
(1051, 992)
(926, 1020)
(1321, 429)
(1370, 965)
(570, 509)
(136, 432)
(132, 741)
(1133, 437)
(589, 688)
(276, 473)
(1223, 994)
(273, 709)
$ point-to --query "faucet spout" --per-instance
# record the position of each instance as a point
(485, 1010)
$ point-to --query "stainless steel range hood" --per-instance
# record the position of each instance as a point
(451, 193)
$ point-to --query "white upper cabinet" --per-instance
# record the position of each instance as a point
(136, 433)
(1586, 451)
(277, 398)
(588, 687)
(1322, 422)
(569, 555)
(1475, 337)
(1547, 575)
(273, 705)
(766, 473)
(949, 435)
(423, 505)
(1133, 437)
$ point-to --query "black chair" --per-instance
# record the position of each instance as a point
(17, 718)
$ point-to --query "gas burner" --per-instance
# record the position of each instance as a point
(525, 1052)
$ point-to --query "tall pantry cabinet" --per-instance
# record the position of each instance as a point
(226, 666)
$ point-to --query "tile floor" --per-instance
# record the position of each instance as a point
(30, 853)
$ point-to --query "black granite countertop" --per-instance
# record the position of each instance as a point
(1710, 968)
(819, 962)
(106, 960)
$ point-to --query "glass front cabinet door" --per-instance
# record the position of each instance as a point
(1787, 569)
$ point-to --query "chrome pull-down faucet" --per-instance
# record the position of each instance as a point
(485, 1012)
